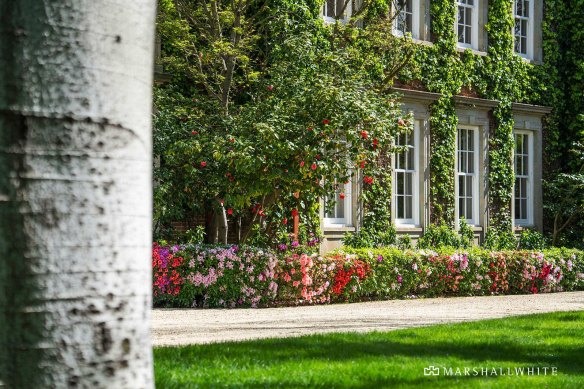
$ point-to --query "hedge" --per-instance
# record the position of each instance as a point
(206, 276)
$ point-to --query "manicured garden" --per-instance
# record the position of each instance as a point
(391, 359)
(231, 276)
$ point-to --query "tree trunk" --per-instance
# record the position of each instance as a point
(75, 193)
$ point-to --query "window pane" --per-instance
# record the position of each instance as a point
(330, 8)
(463, 162)
(523, 187)
(526, 8)
(524, 209)
(399, 189)
(469, 214)
(408, 206)
(461, 208)
(461, 186)
(400, 207)
(340, 208)
(469, 191)
(467, 35)
(410, 156)
(409, 183)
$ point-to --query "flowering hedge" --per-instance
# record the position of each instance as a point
(204, 276)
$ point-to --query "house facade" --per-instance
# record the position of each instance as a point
(477, 119)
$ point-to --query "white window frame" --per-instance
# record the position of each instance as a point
(476, 175)
(415, 11)
(474, 24)
(529, 177)
(347, 220)
(329, 19)
(415, 219)
(529, 33)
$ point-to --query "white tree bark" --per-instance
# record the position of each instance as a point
(75, 193)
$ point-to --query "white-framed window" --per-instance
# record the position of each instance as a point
(523, 31)
(467, 25)
(406, 179)
(467, 180)
(333, 9)
(407, 15)
(523, 163)
(340, 214)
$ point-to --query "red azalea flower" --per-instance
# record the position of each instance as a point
(375, 142)
(368, 180)
(195, 132)
(301, 163)
(342, 196)
(313, 166)
(285, 221)
(270, 87)
(294, 212)
(230, 211)
(364, 134)
(325, 122)
(203, 164)
(261, 212)
(362, 164)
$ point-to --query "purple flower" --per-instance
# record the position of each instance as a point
(379, 258)
(283, 247)
(295, 244)
(399, 278)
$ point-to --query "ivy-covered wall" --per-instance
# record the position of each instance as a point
(499, 75)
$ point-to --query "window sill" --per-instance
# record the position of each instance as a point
(408, 228)
(338, 228)
(462, 49)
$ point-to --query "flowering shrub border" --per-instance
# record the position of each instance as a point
(229, 277)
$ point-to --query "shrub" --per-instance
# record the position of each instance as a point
(531, 240)
(206, 276)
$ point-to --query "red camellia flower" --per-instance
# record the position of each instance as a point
(285, 221)
(362, 164)
(325, 121)
(301, 163)
(364, 134)
(313, 166)
(203, 164)
(342, 196)
(195, 132)
(401, 122)
(294, 212)
(368, 180)
(230, 211)
(270, 87)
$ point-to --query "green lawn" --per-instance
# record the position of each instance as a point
(389, 359)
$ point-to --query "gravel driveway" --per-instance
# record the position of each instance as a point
(171, 327)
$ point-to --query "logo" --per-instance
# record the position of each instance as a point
(431, 370)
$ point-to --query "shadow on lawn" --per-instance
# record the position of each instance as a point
(535, 340)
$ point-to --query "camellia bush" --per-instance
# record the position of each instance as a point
(231, 276)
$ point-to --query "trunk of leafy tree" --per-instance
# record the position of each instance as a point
(75, 193)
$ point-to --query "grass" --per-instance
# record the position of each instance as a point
(389, 359)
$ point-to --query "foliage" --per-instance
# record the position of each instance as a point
(443, 236)
(300, 113)
(531, 240)
(365, 238)
(207, 276)
(364, 360)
